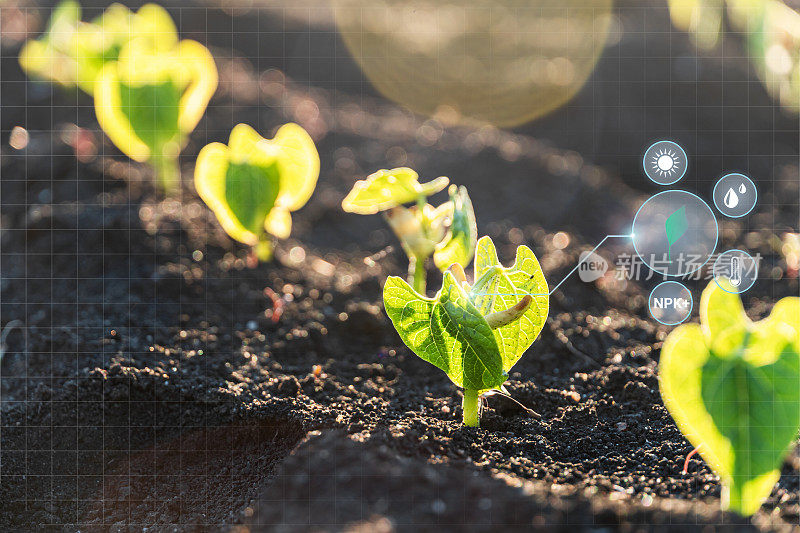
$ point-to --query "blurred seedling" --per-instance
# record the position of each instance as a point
(253, 184)
(770, 30)
(473, 333)
(448, 232)
(72, 52)
(154, 94)
(733, 388)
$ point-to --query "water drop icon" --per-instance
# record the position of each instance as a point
(735, 195)
(731, 198)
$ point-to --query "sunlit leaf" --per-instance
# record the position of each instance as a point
(299, 163)
(153, 95)
(458, 246)
(447, 331)
(497, 288)
(210, 180)
(243, 183)
(201, 72)
(386, 189)
(250, 191)
(156, 25)
(702, 18)
(733, 388)
(72, 52)
(279, 222)
(48, 57)
(112, 118)
(460, 332)
(152, 112)
(721, 310)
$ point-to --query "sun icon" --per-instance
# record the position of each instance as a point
(665, 162)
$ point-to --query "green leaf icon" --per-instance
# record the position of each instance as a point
(675, 226)
(733, 388)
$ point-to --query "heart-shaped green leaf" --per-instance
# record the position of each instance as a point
(447, 331)
(733, 388)
(386, 189)
(243, 182)
(250, 191)
(498, 288)
(239, 182)
(152, 111)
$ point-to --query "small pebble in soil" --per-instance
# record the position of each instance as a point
(573, 395)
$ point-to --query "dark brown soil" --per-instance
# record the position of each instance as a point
(154, 384)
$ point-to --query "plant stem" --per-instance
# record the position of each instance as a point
(263, 249)
(416, 274)
(471, 404)
(733, 499)
(168, 172)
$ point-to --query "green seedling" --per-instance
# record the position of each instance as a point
(253, 183)
(769, 29)
(733, 388)
(154, 94)
(473, 333)
(448, 232)
(72, 52)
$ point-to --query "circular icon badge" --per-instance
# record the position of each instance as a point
(735, 195)
(674, 233)
(664, 162)
(735, 271)
(670, 303)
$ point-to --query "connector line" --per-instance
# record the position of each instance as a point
(627, 235)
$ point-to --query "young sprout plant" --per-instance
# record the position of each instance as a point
(154, 94)
(473, 333)
(733, 388)
(71, 52)
(253, 184)
(54, 55)
(448, 232)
